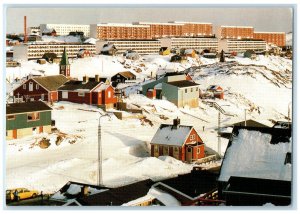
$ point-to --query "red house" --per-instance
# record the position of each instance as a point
(217, 91)
(89, 91)
(178, 141)
(84, 53)
(39, 88)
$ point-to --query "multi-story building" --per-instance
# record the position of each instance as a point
(37, 50)
(235, 32)
(195, 28)
(196, 43)
(140, 46)
(115, 31)
(65, 29)
(241, 45)
(159, 30)
(34, 31)
(276, 38)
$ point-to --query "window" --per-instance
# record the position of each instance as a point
(33, 116)
(11, 117)
(196, 89)
(191, 89)
(24, 86)
(192, 137)
(30, 86)
(109, 94)
(65, 95)
(37, 87)
(80, 94)
(165, 150)
(189, 149)
(185, 90)
(155, 148)
(42, 96)
(198, 150)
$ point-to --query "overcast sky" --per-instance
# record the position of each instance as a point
(262, 19)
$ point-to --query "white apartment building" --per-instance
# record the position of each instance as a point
(196, 43)
(241, 45)
(65, 29)
(37, 50)
(33, 31)
(142, 47)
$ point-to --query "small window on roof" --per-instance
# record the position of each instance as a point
(24, 86)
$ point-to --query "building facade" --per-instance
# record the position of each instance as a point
(34, 31)
(276, 38)
(242, 45)
(159, 30)
(65, 29)
(195, 29)
(141, 47)
(37, 50)
(115, 31)
(235, 32)
(23, 119)
(196, 43)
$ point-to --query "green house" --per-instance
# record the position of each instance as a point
(23, 119)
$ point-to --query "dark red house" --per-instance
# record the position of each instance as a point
(89, 91)
(217, 91)
(39, 88)
(178, 141)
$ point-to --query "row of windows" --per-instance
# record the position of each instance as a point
(31, 86)
(191, 89)
(30, 116)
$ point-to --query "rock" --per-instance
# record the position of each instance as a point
(44, 143)
(58, 140)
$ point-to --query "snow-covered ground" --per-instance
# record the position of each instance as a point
(262, 86)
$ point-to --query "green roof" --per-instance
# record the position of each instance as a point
(51, 83)
(64, 58)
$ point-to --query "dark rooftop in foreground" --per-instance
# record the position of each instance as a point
(182, 83)
(15, 108)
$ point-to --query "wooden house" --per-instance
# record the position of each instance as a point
(178, 141)
(190, 53)
(164, 51)
(39, 88)
(109, 49)
(90, 91)
(23, 119)
(122, 77)
(217, 91)
(84, 53)
(49, 32)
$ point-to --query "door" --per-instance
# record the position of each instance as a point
(176, 152)
(40, 129)
(15, 134)
(156, 151)
(189, 154)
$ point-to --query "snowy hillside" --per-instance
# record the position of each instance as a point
(289, 39)
(262, 86)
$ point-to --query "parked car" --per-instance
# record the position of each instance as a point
(23, 193)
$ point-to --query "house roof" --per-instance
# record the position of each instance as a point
(256, 152)
(190, 185)
(51, 83)
(171, 135)
(118, 196)
(183, 83)
(126, 74)
(16, 108)
(250, 123)
(73, 85)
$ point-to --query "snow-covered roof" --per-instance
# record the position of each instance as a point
(107, 47)
(158, 86)
(252, 155)
(91, 41)
(189, 51)
(171, 135)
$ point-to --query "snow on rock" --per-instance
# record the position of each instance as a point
(252, 155)
(165, 198)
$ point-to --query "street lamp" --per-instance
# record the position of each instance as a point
(100, 182)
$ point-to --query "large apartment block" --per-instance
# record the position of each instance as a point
(114, 31)
(242, 45)
(277, 38)
(65, 29)
(37, 50)
(195, 28)
(197, 43)
(159, 30)
(235, 32)
(142, 47)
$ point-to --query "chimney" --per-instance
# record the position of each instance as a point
(85, 79)
(176, 122)
(97, 79)
(84, 190)
(25, 30)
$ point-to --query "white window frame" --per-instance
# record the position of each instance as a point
(30, 86)
(37, 86)
(198, 150)
(42, 96)
(109, 94)
(64, 95)
(24, 86)
(81, 94)
(192, 137)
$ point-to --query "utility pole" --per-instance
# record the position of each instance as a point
(100, 181)
(219, 132)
